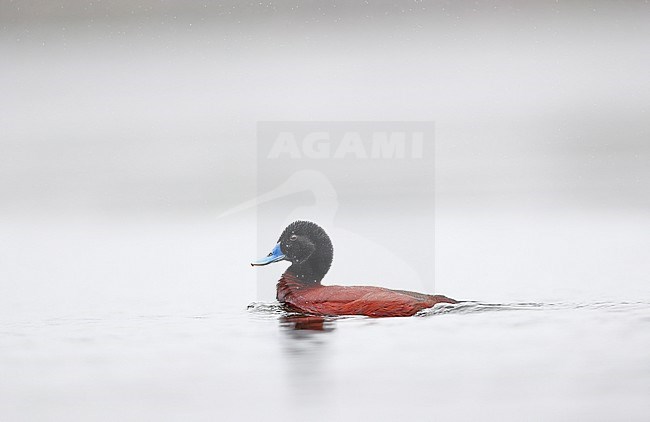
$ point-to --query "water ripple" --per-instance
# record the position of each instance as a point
(277, 309)
(477, 307)
(265, 308)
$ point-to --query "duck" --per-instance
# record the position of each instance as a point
(309, 250)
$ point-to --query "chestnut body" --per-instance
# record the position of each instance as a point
(314, 298)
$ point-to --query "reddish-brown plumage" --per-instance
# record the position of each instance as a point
(314, 298)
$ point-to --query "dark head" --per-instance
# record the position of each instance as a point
(307, 247)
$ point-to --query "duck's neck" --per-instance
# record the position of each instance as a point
(298, 277)
(306, 273)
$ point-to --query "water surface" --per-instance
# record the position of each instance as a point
(557, 361)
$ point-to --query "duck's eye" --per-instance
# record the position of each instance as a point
(293, 237)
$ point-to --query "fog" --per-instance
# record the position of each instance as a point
(155, 106)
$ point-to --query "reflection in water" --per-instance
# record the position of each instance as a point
(306, 322)
(290, 321)
(305, 343)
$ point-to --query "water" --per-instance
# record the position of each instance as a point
(158, 320)
(556, 362)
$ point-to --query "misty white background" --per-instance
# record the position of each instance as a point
(117, 117)
(127, 128)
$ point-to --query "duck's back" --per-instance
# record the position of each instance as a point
(352, 300)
